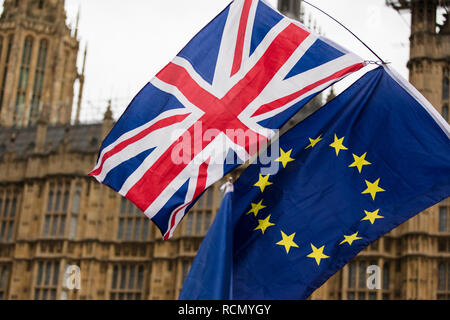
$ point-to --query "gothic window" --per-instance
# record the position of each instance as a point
(445, 84)
(443, 219)
(445, 112)
(65, 200)
(5, 69)
(133, 224)
(357, 281)
(443, 279)
(189, 222)
(351, 275)
(386, 276)
(23, 79)
(207, 220)
(46, 280)
(75, 211)
(362, 275)
(198, 222)
(8, 208)
(127, 282)
(201, 214)
(57, 215)
(41, 4)
(4, 276)
(38, 80)
(185, 270)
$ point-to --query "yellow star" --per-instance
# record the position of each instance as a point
(313, 142)
(337, 144)
(285, 157)
(373, 188)
(256, 207)
(317, 254)
(263, 182)
(360, 162)
(372, 216)
(287, 241)
(350, 239)
(263, 224)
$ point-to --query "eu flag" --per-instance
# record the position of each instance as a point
(373, 157)
(210, 276)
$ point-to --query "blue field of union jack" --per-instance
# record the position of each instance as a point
(249, 70)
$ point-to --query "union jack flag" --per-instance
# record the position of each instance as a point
(248, 71)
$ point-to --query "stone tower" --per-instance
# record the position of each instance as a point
(38, 63)
(426, 235)
(429, 50)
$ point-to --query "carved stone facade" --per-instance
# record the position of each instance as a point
(38, 63)
(52, 215)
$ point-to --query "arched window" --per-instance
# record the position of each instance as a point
(445, 84)
(23, 80)
(41, 4)
(38, 81)
(445, 112)
(5, 69)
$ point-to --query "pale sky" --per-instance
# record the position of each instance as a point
(130, 41)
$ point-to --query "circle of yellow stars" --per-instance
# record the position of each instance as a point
(287, 241)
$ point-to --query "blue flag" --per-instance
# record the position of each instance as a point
(211, 273)
(372, 158)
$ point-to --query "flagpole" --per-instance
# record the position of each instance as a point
(317, 8)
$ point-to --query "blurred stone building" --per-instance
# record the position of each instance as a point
(52, 215)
